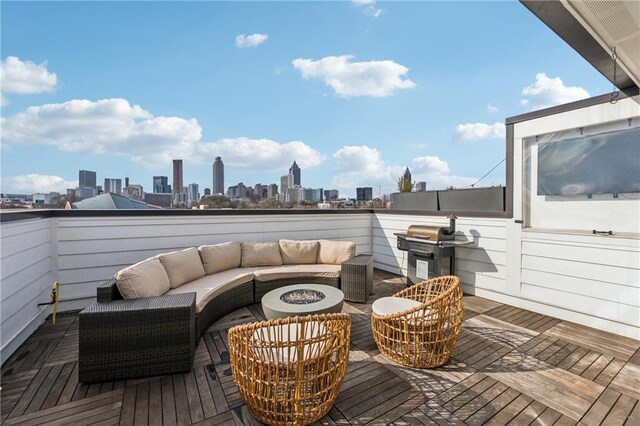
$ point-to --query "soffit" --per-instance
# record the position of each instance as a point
(593, 28)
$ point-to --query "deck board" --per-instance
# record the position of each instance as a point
(510, 366)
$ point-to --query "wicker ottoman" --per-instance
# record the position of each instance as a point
(140, 337)
(356, 278)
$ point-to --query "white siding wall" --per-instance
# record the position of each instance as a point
(596, 279)
(481, 266)
(26, 279)
(567, 272)
(591, 280)
(92, 250)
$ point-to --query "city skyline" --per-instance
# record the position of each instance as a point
(402, 87)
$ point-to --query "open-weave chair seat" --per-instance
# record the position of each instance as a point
(289, 370)
(422, 336)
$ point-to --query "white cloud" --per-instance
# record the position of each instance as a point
(478, 131)
(350, 79)
(3, 101)
(435, 172)
(263, 154)
(368, 6)
(26, 77)
(364, 166)
(491, 108)
(253, 40)
(107, 126)
(547, 92)
(115, 127)
(32, 183)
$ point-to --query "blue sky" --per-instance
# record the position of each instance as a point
(353, 91)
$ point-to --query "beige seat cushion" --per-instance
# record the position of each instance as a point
(297, 271)
(260, 254)
(335, 252)
(299, 252)
(182, 266)
(220, 257)
(209, 286)
(393, 305)
(286, 336)
(144, 279)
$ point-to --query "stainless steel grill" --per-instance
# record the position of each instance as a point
(431, 250)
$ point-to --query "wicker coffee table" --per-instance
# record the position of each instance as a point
(302, 299)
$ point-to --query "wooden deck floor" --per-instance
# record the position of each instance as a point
(509, 366)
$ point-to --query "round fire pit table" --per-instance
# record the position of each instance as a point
(302, 299)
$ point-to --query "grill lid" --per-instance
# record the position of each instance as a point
(426, 232)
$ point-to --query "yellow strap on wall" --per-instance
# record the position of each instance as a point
(55, 295)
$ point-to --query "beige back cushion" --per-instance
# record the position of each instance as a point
(298, 252)
(220, 257)
(182, 266)
(144, 279)
(261, 254)
(335, 252)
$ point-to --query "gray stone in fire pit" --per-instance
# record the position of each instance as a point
(274, 307)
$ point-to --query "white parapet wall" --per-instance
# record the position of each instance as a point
(92, 249)
(26, 278)
(83, 252)
(590, 280)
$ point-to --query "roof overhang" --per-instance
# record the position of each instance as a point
(593, 29)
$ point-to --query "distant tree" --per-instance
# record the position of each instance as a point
(216, 202)
(61, 201)
(404, 185)
(270, 203)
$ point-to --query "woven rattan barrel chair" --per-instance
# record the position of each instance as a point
(289, 370)
(424, 335)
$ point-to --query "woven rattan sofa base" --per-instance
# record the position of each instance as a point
(264, 287)
(223, 304)
(356, 278)
(133, 338)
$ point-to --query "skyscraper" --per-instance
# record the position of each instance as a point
(364, 194)
(284, 184)
(161, 185)
(272, 190)
(407, 175)
(218, 176)
(87, 179)
(112, 185)
(331, 195)
(177, 177)
(295, 171)
(193, 193)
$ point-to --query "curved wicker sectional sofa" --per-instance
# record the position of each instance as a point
(172, 298)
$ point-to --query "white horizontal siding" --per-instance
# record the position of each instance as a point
(481, 266)
(593, 276)
(92, 250)
(25, 279)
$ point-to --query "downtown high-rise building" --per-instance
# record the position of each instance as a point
(161, 185)
(364, 194)
(284, 184)
(218, 176)
(257, 190)
(407, 175)
(294, 171)
(331, 195)
(178, 184)
(193, 193)
(87, 179)
(113, 185)
(272, 190)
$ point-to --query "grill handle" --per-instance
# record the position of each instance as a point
(421, 253)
